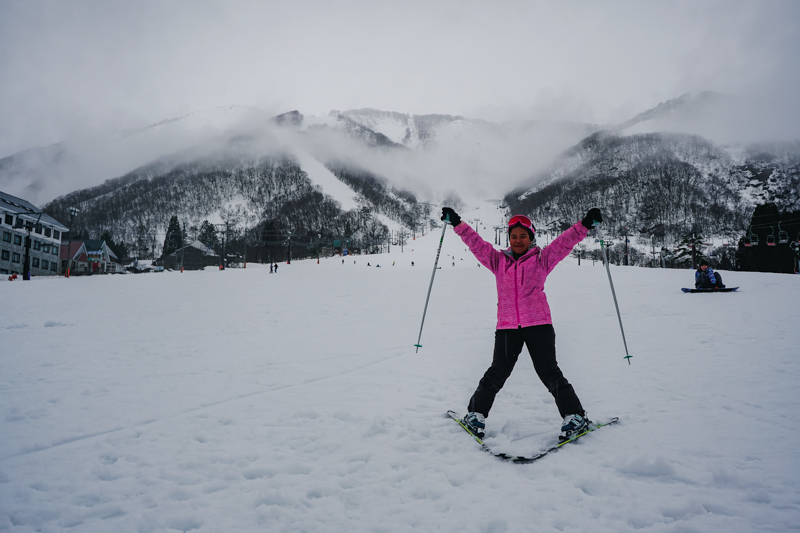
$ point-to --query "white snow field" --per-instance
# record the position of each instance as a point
(236, 400)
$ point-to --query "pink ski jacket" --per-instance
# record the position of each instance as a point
(521, 301)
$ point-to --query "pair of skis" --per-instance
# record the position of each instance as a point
(520, 459)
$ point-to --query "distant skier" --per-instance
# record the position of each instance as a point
(523, 316)
(276, 268)
(706, 278)
(270, 268)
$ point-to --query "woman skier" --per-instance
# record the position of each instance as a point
(523, 316)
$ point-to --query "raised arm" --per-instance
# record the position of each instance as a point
(482, 250)
(564, 243)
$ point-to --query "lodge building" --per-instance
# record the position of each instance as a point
(18, 220)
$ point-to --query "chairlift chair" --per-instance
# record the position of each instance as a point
(771, 237)
(753, 239)
(783, 236)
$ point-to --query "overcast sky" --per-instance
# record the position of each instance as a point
(80, 67)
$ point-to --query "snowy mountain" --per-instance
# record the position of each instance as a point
(244, 188)
(667, 184)
(433, 154)
(387, 162)
(221, 164)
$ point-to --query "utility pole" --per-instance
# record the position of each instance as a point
(224, 238)
(625, 259)
(224, 251)
(653, 249)
(183, 248)
(26, 261)
(73, 212)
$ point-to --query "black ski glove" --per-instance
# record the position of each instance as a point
(454, 219)
(593, 218)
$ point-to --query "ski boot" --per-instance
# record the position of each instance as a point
(476, 423)
(573, 426)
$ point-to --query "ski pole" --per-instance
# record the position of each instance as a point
(435, 263)
(614, 294)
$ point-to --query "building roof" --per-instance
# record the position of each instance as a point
(200, 246)
(23, 208)
(73, 250)
(80, 247)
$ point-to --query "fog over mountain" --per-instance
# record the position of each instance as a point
(75, 70)
(445, 153)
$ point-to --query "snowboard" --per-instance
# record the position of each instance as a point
(724, 289)
(521, 459)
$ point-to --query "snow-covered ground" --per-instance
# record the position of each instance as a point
(242, 401)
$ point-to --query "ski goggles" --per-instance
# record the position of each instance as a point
(522, 221)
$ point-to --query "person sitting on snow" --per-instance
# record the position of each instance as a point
(706, 278)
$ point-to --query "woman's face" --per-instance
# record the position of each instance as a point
(520, 240)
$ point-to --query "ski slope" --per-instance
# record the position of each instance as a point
(242, 401)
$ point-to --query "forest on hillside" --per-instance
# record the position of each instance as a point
(265, 203)
(660, 184)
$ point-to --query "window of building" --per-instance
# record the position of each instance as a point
(56, 234)
(53, 266)
(18, 240)
(6, 236)
(46, 248)
(45, 264)
(55, 250)
(5, 255)
(47, 232)
(36, 262)
(20, 222)
(37, 245)
(38, 229)
(15, 258)
(10, 220)
(3, 271)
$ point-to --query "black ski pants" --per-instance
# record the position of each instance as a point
(541, 343)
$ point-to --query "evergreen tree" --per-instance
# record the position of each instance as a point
(174, 238)
(119, 248)
(208, 235)
(690, 247)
